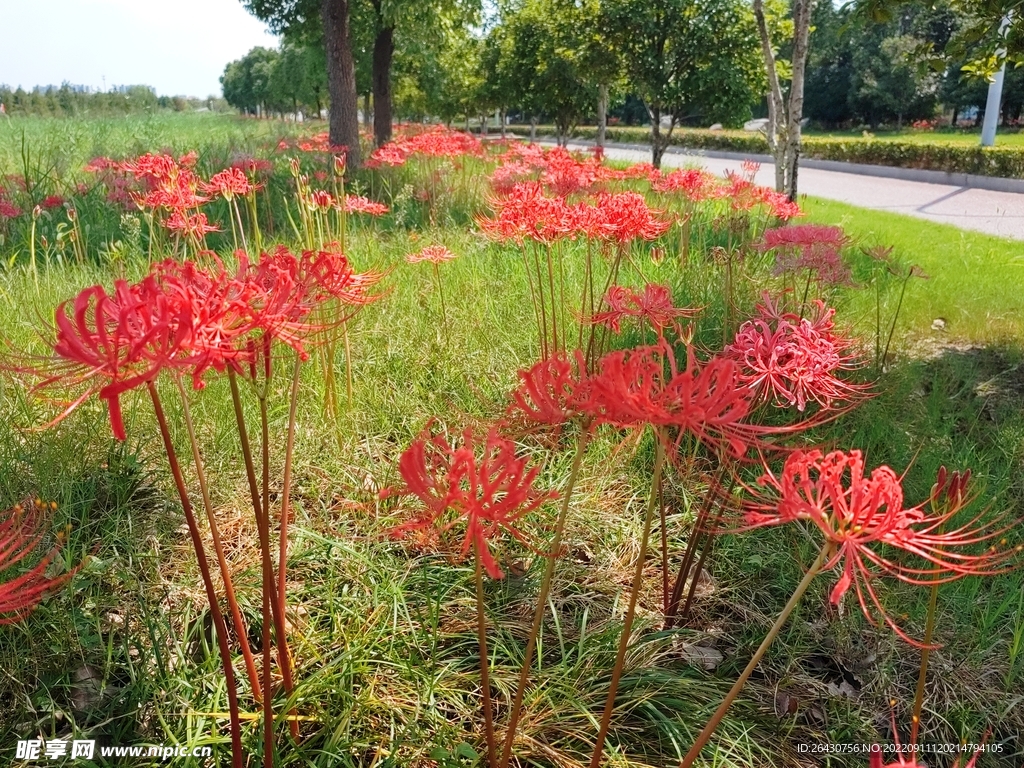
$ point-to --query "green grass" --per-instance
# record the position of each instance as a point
(384, 634)
(56, 148)
(972, 283)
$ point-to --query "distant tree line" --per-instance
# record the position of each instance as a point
(658, 62)
(865, 72)
(68, 101)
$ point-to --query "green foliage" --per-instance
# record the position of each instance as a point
(535, 61)
(383, 633)
(68, 101)
(693, 59)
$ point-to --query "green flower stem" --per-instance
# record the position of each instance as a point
(542, 597)
(485, 678)
(282, 564)
(218, 546)
(638, 573)
(204, 569)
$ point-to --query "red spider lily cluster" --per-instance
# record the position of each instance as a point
(695, 184)
(437, 141)
(185, 318)
(8, 210)
(562, 173)
(791, 360)
(811, 247)
(859, 514)
(22, 532)
(479, 483)
(526, 213)
(229, 183)
(641, 387)
(360, 204)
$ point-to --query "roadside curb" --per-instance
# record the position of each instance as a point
(969, 180)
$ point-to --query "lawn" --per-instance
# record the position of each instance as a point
(384, 631)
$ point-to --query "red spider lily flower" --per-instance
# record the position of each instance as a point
(171, 196)
(435, 254)
(21, 532)
(330, 275)
(228, 183)
(155, 166)
(52, 201)
(98, 164)
(433, 142)
(644, 386)
(8, 210)
(195, 226)
(695, 183)
(219, 307)
(854, 512)
(793, 360)
(779, 204)
(640, 171)
(552, 392)
(809, 246)
(527, 214)
(282, 300)
(565, 175)
(653, 305)
(320, 200)
(749, 169)
(626, 216)
(489, 493)
(360, 204)
(119, 341)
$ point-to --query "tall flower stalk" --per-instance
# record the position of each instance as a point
(855, 513)
(484, 486)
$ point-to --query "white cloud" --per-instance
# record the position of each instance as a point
(177, 46)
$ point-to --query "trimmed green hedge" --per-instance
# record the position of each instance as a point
(1004, 162)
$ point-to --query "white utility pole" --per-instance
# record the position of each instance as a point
(995, 93)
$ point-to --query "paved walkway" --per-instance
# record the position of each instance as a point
(996, 213)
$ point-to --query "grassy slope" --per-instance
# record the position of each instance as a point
(365, 603)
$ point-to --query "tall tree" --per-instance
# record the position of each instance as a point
(333, 17)
(786, 111)
(686, 59)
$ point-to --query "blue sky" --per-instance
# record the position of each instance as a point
(179, 47)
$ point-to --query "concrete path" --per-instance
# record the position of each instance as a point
(995, 213)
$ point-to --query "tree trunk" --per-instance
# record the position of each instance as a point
(483, 125)
(776, 129)
(533, 130)
(602, 113)
(367, 113)
(784, 120)
(504, 119)
(657, 148)
(383, 51)
(801, 44)
(341, 79)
